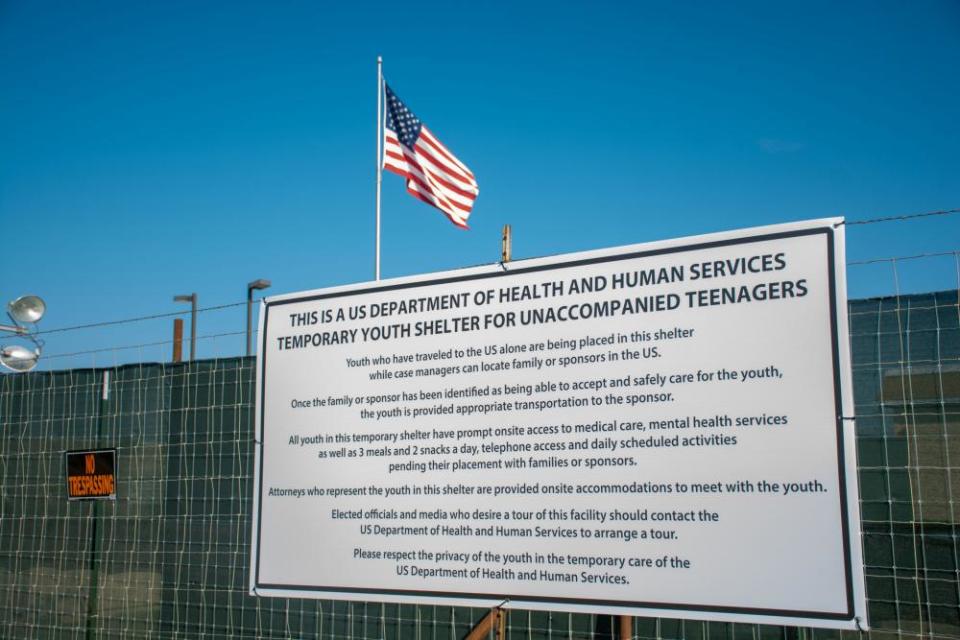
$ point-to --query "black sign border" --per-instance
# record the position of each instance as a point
(116, 473)
(829, 234)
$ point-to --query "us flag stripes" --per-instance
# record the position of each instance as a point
(433, 174)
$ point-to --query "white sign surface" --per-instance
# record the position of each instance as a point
(655, 429)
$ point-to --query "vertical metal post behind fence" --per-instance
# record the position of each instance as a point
(93, 599)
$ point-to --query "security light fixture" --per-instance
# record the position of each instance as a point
(256, 284)
(18, 358)
(25, 310)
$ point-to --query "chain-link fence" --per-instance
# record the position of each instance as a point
(169, 558)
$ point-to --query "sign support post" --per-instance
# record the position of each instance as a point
(94, 597)
(497, 617)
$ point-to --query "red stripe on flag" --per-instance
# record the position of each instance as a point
(415, 187)
(418, 196)
(437, 193)
(415, 159)
(439, 166)
(433, 141)
(410, 162)
(429, 153)
(413, 171)
(413, 180)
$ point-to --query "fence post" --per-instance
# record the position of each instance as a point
(93, 600)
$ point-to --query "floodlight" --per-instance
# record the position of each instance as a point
(19, 359)
(259, 284)
(27, 309)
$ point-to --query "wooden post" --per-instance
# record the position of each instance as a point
(178, 340)
(626, 628)
(496, 619)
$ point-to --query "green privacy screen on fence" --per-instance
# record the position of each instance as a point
(169, 557)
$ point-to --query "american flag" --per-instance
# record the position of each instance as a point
(433, 174)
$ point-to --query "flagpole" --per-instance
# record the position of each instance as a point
(379, 155)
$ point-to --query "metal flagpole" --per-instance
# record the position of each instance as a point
(379, 155)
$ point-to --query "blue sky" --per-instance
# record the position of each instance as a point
(153, 149)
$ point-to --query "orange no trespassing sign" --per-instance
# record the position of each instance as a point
(91, 474)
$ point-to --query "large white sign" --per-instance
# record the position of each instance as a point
(661, 430)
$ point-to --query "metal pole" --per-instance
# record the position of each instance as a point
(9, 328)
(379, 156)
(496, 618)
(193, 326)
(192, 299)
(259, 285)
(93, 598)
(249, 319)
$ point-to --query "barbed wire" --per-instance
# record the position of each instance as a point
(908, 216)
(955, 253)
(184, 312)
(143, 345)
(156, 316)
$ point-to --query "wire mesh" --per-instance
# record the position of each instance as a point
(169, 558)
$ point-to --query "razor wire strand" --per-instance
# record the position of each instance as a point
(902, 218)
